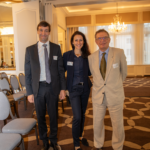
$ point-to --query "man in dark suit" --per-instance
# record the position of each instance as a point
(45, 80)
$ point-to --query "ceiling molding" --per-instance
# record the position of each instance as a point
(66, 3)
(76, 4)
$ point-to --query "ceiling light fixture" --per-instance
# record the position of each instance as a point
(8, 2)
(117, 26)
(76, 10)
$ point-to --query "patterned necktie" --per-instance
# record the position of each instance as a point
(103, 66)
(47, 70)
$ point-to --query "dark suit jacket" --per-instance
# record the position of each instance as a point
(32, 69)
(69, 57)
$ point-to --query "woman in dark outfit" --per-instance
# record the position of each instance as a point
(78, 84)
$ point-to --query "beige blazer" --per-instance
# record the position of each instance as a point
(116, 73)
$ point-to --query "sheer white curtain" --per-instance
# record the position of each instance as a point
(90, 36)
(135, 41)
(146, 43)
(124, 40)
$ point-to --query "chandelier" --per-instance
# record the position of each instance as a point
(117, 26)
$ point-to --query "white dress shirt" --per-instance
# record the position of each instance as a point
(42, 59)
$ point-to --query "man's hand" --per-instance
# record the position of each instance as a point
(31, 98)
(62, 94)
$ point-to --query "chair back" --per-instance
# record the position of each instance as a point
(4, 75)
(4, 106)
(4, 85)
(14, 83)
(22, 80)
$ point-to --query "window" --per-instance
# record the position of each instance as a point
(128, 40)
(122, 40)
(83, 30)
(128, 52)
(135, 41)
(146, 44)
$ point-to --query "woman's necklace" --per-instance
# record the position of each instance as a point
(78, 55)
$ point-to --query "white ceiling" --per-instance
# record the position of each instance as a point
(76, 7)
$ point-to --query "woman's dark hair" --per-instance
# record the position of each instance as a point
(85, 49)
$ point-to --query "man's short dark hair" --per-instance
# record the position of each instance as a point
(44, 24)
(101, 30)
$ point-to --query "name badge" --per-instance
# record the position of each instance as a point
(69, 63)
(115, 65)
(55, 57)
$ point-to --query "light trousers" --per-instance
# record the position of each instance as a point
(116, 115)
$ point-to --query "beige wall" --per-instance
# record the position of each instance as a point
(61, 39)
(77, 20)
(105, 19)
(5, 14)
(61, 18)
(108, 18)
(146, 16)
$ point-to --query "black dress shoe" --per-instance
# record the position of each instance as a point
(45, 146)
(84, 142)
(55, 146)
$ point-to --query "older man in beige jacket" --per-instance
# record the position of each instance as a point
(109, 69)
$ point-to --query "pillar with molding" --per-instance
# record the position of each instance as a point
(25, 21)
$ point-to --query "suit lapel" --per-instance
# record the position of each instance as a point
(96, 64)
(84, 66)
(36, 55)
(109, 61)
(50, 53)
(71, 58)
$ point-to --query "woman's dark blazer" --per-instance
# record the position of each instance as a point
(69, 57)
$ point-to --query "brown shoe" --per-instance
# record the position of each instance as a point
(94, 148)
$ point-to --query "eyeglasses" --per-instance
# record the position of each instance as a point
(102, 38)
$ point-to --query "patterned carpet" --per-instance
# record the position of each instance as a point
(136, 120)
(137, 87)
